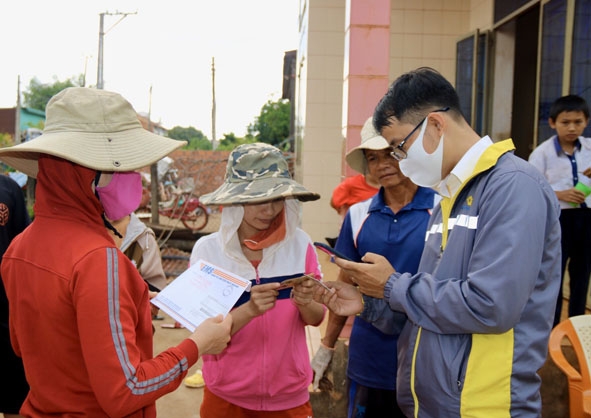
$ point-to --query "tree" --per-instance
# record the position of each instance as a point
(6, 140)
(38, 94)
(231, 141)
(195, 138)
(272, 125)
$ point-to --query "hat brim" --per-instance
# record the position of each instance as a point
(257, 191)
(126, 150)
(356, 157)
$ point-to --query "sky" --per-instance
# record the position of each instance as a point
(167, 46)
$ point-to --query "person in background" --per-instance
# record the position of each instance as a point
(352, 190)
(14, 218)
(565, 160)
(480, 308)
(139, 244)
(371, 368)
(79, 310)
(265, 371)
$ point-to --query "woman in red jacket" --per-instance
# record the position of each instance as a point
(79, 310)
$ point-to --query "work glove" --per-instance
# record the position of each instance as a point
(320, 363)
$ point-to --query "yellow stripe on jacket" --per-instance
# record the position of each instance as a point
(487, 386)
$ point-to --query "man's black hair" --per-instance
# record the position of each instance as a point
(570, 103)
(414, 94)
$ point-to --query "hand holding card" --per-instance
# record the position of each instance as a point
(297, 280)
(292, 282)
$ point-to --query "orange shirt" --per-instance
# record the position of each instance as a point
(350, 191)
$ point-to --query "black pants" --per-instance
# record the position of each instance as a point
(366, 402)
(576, 250)
(15, 387)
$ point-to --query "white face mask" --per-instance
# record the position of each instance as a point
(422, 168)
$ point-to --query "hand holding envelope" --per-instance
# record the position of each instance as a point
(203, 291)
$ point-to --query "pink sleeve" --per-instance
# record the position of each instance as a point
(312, 264)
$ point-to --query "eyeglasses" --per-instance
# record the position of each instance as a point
(398, 153)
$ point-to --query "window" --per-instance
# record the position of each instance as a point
(580, 83)
(470, 84)
(554, 22)
(464, 71)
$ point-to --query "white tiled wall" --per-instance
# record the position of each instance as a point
(422, 33)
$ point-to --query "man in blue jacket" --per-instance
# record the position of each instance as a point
(480, 308)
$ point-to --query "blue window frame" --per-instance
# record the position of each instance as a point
(580, 80)
(554, 23)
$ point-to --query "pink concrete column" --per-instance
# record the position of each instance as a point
(367, 53)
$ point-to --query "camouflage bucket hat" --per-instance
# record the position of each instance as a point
(256, 173)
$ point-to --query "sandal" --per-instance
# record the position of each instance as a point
(195, 380)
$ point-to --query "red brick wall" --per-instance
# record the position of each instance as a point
(206, 168)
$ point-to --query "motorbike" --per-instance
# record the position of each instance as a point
(177, 197)
(187, 208)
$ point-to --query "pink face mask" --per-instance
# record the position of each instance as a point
(122, 195)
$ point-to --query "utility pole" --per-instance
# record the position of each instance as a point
(155, 198)
(17, 114)
(214, 142)
(102, 33)
(85, 68)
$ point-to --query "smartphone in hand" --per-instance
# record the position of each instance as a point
(330, 251)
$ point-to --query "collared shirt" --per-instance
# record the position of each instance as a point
(561, 170)
(371, 226)
(464, 168)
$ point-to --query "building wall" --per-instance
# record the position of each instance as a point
(481, 14)
(319, 95)
(366, 67)
(28, 118)
(422, 33)
(7, 120)
(31, 118)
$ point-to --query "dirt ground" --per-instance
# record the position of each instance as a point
(185, 402)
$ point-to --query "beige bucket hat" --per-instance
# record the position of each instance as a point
(256, 173)
(97, 129)
(370, 139)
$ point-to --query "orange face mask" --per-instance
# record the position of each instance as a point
(274, 234)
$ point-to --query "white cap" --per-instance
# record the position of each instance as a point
(370, 139)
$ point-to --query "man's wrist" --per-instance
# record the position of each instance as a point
(388, 286)
(327, 346)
